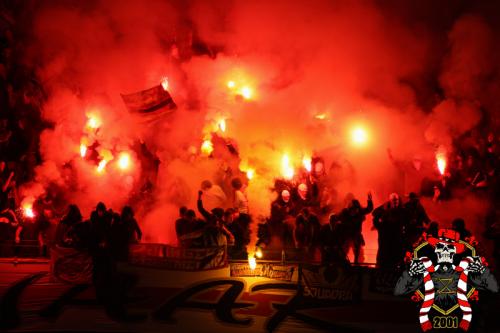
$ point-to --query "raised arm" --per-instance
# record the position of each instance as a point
(369, 204)
(202, 210)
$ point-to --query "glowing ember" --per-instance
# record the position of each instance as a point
(250, 173)
(222, 124)
(321, 116)
(102, 166)
(258, 253)
(83, 150)
(124, 161)
(306, 161)
(359, 136)
(441, 162)
(28, 210)
(231, 84)
(207, 147)
(164, 83)
(246, 92)
(252, 262)
(286, 169)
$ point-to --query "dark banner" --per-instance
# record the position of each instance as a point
(70, 266)
(271, 271)
(330, 284)
(148, 100)
(173, 258)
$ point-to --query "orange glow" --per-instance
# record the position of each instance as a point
(246, 92)
(207, 147)
(28, 210)
(231, 84)
(320, 116)
(252, 262)
(441, 162)
(258, 253)
(359, 136)
(164, 83)
(286, 169)
(124, 161)
(306, 161)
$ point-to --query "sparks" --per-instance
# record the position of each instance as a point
(164, 83)
(359, 136)
(252, 262)
(286, 169)
(124, 161)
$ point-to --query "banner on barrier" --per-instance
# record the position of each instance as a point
(330, 284)
(173, 258)
(70, 266)
(271, 271)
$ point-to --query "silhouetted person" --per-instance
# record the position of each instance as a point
(65, 232)
(416, 220)
(331, 239)
(458, 225)
(388, 219)
(352, 219)
(281, 207)
(133, 230)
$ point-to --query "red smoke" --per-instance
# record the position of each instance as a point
(305, 75)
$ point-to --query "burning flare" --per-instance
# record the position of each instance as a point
(258, 253)
(83, 150)
(252, 262)
(246, 92)
(207, 147)
(286, 169)
(28, 210)
(306, 161)
(441, 162)
(250, 173)
(93, 121)
(124, 161)
(102, 166)
(164, 83)
(359, 136)
(231, 84)
(221, 124)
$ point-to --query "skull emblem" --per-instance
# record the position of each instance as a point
(445, 252)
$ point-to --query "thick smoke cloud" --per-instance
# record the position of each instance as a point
(349, 63)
